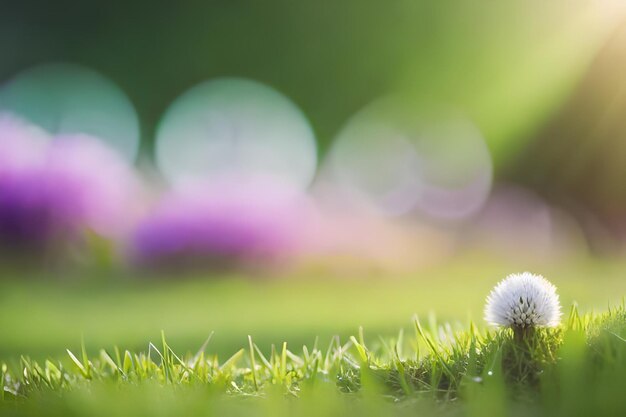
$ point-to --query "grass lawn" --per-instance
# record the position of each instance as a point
(40, 319)
(43, 318)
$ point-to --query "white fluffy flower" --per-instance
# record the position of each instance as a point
(523, 300)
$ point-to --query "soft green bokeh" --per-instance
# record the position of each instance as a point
(42, 318)
(510, 65)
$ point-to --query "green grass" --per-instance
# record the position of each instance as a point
(393, 367)
(41, 318)
(577, 369)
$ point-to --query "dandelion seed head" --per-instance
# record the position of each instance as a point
(523, 300)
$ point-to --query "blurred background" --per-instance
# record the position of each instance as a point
(292, 170)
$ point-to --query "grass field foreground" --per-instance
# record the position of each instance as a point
(43, 317)
(578, 368)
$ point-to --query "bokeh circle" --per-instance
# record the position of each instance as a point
(65, 98)
(237, 129)
(397, 158)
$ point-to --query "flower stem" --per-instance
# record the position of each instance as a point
(523, 334)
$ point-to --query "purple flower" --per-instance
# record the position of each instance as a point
(27, 216)
(222, 224)
(54, 188)
(22, 146)
(100, 187)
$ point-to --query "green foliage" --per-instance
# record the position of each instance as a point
(579, 368)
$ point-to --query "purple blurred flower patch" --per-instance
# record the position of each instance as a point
(54, 188)
(221, 226)
(25, 212)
